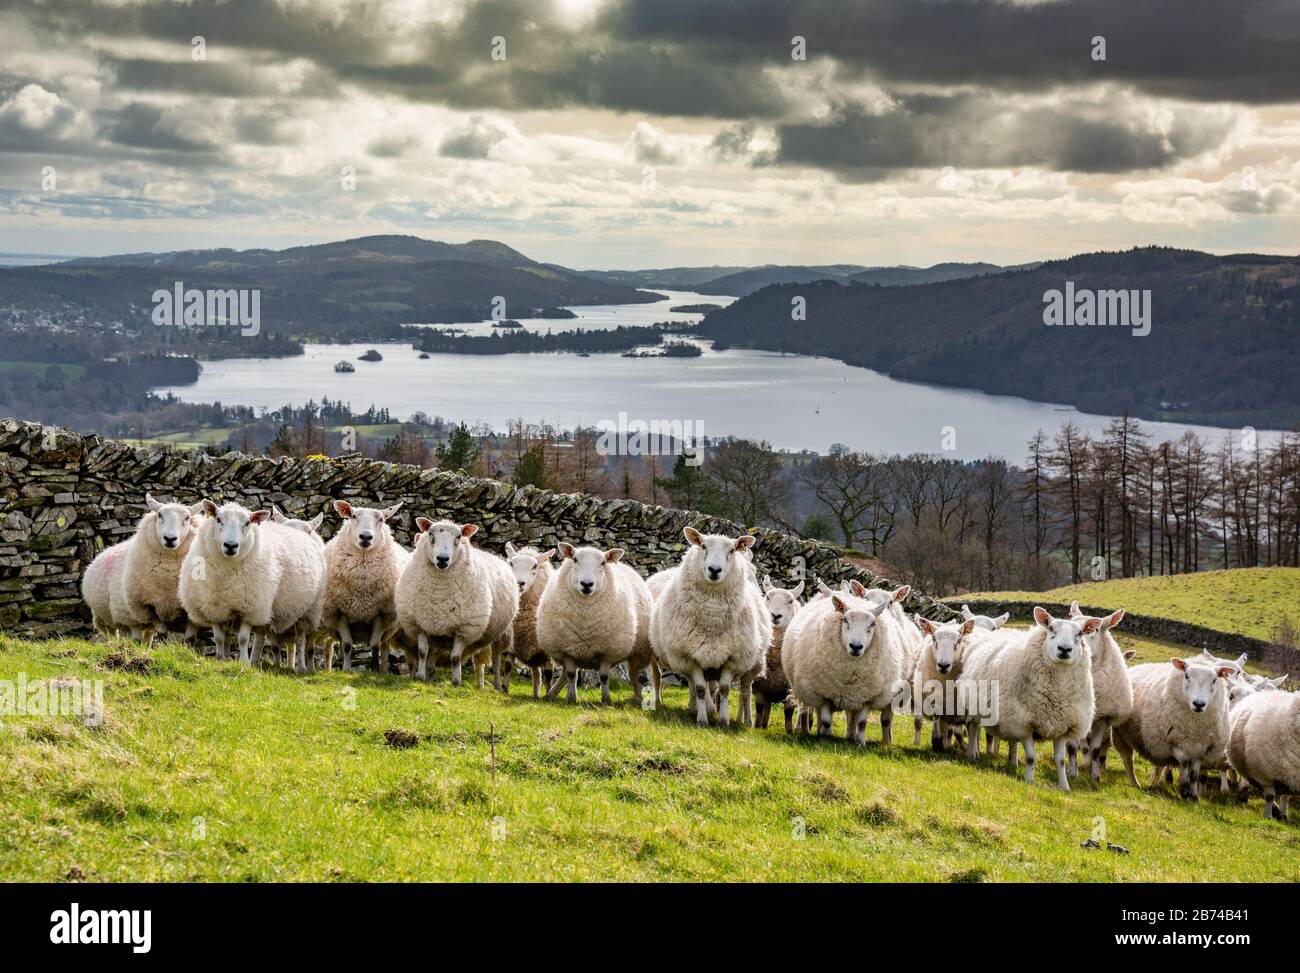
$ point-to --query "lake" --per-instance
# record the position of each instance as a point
(792, 401)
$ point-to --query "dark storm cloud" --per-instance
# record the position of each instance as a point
(143, 127)
(966, 131)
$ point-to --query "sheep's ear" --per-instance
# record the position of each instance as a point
(839, 603)
(797, 590)
(767, 583)
(422, 524)
(510, 550)
(391, 511)
(566, 550)
(1113, 619)
(257, 516)
(966, 612)
(877, 609)
(151, 503)
(1278, 681)
(1042, 616)
(546, 555)
(1002, 619)
(317, 520)
(196, 509)
(1241, 661)
(857, 589)
(343, 508)
(208, 507)
(902, 593)
(614, 554)
(469, 530)
(968, 626)
(1179, 664)
(822, 587)
(1227, 671)
(1130, 655)
(1090, 625)
(924, 624)
(692, 535)
(844, 586)
(277, 514)
(745, 541)
(1075, 610)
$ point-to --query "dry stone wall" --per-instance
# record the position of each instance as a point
(64, 497)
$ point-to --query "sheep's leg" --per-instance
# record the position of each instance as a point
(746, 698)
(1098, 744)
(137, 633)
(345, 642)
(724, 697)
(191, 635)
(701, 697)
(245, 632)
(507, 667)
(557, 685)
(656, 679)
(1192, 779)
(1073, 751)
(422, 648)
(858, 721)
(1061, 757)
(305, 653)
(938, 735)
(886, 726)
(497, 658)
(1156, 774)
(259, 643)
(634, 679)
(1030, 757)
(789, 717)
(537, 682)
(973, 742)
(1284, 806)
(1270, 803)
(457, 651)
(1013, 759)
(603, 671)
(377, 648)
(1126, 755)
(825, 716)
(1223, 782)
(219, 640)
(916, 726)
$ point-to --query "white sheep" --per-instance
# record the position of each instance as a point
(1180, 715)
(533, 571)
(1111, 687)
(231, 574)
(939, 665)
(1264, 747)
(986, 622)
(453, 592)
(844, 653)
(96, 587)
(143, 593)
(300, 597)
(770, 686)
(710, 621)
(594, 614)
(362, 564)
(1040, 682)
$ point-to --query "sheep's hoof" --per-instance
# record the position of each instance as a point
(1277, 813)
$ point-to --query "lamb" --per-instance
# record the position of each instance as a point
(533, 572)
(986, 622)
(1042, 685)
(231, 574)
(1180, 714)
(1112, 690)
(940, 663)
(362, 564)
(452, 591)
(143, 592)
(594, 614)
(844, 653)
(1264, 747)
(770, 686)
(96, 585)
(710, 621)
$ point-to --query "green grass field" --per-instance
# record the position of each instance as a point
(1247, 601)
(38, 368)
(212, 771)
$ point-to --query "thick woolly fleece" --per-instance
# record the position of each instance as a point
(218, 590)
(145, 592)
(475, 599)
(607, 627)
(1163, 728)
(1036, 698)
(821, 671)
(300, 595)
(697, 625)
(527, 649)
(96, 586)
(1264, 741)
(1111, 686)
(360, 584)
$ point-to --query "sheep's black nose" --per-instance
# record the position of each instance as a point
(1062, 652)
(169, 540)
(776, 619)
(1198, 705)
(365, 537)
(522, 585)
(944, 666)
(586, 586)
(856, 648)
(230, 548)
(443, 560)
(714, 573)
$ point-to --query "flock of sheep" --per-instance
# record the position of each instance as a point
(268, 580)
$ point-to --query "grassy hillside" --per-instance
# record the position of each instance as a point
(1247, 601)
(207, 771)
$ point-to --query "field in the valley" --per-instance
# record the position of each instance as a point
(212, 771)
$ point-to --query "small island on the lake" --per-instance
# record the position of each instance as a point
(345, 366)
(695, 308)
(557, 313)
(371, 355)
(507, 323)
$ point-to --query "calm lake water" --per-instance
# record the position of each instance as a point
(793, 401)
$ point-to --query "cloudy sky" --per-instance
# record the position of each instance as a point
(644, 133)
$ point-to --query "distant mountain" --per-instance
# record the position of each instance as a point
(1223, 347)
(904, 276)
(356, 287)
(670, 278)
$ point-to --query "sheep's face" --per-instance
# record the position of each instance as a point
(782, 603)
(446, 541)
(171, 524)
(527, 566)
(1063, 643)
(233, 528)
(987, 623)
(946, 642)
(366, 527)
(857, 625)
(1239, 687)
(720, 556)
(1201, 682)
(589, 573)
(297, 523)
